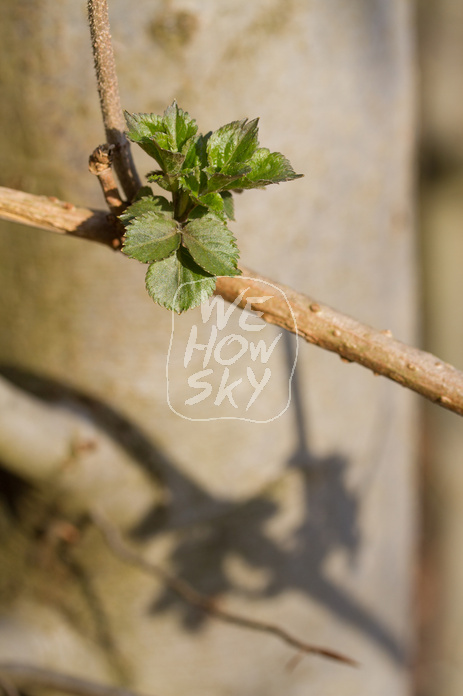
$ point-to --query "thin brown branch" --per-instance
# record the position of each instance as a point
(24, 677)
(376, 350)
(188, 594)
(315, 322)
(100, 164)
(49, 213)
(108, 90)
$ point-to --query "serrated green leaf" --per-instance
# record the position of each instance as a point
(179, 127)
(219, 181)
(266, 168)
(233, 143)
(146, 204)
(161, 180)
(166, 138)
(178, 283)
(191, 182)
(192, 177)
(142, 125)
(211, 245)
(148, 131)
(228, 204)
(200, 172)
(170, 162)
(151, 237)
(196, 157)
(214, 202)
(172, 131)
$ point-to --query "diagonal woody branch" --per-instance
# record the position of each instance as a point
(355, 342)
(316, 323)
(49, 213)
(21, 677)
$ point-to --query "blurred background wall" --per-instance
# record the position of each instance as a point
(440, 42)
(309, 521)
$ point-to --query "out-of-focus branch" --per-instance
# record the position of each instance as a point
(317, 323)
(7, 686)
(188, 594)
(24, 677)
(108, 90)
(60, 444)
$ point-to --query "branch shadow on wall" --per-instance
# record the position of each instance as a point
(208, 531)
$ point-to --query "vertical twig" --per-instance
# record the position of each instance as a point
(108, 90)
(99, 163)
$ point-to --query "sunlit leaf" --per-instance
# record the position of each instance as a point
(211, 245)
(146, 204)
(151, 237)
(178, 283)
(233, 143)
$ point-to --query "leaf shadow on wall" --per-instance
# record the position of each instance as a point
(240, 531)
(208, 531)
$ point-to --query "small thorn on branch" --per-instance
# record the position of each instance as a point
(100, 164)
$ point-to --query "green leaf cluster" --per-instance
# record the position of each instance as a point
(187, 240)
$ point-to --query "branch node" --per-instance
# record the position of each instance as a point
(100, 164)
